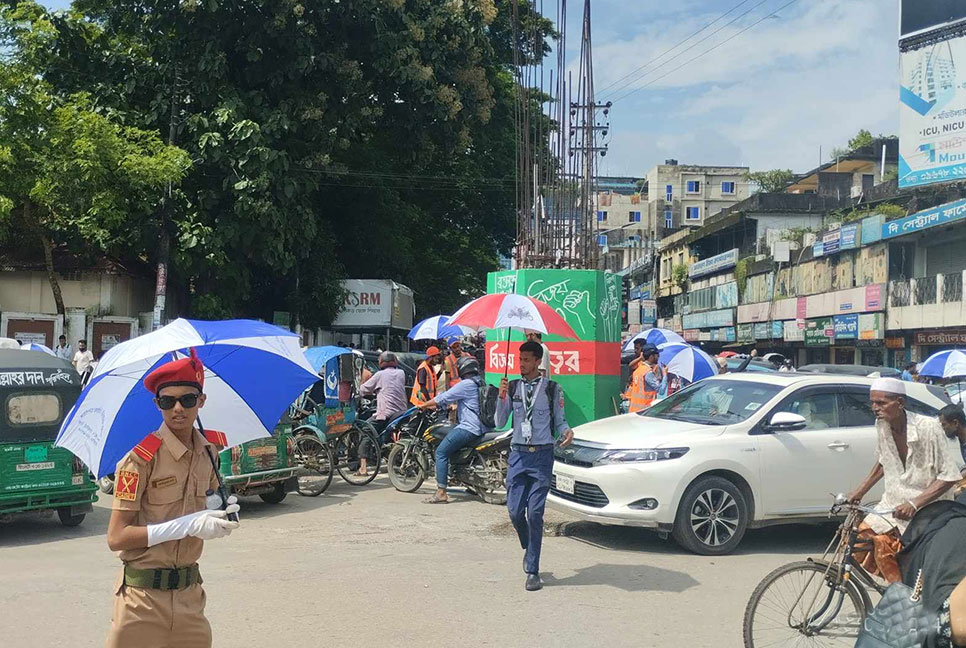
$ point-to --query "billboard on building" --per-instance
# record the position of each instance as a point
(921, 16)
(375, 303)
(932, 113)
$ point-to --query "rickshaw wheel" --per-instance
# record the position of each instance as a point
(315, 460)
(349, 448)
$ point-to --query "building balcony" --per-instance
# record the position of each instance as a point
(926, 302)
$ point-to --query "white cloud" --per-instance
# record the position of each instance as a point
(769, 98)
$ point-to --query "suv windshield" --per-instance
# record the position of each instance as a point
(714, 402)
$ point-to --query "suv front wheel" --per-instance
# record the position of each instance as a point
(712, 517)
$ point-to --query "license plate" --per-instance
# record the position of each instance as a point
(77, 480)
(565, 484)
(46, 465)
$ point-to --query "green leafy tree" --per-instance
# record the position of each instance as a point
(69, 173)
(773, 181)
(862, 138)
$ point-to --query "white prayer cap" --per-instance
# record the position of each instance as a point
(889, 386)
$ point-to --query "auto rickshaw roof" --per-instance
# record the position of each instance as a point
(19, 360)
(319, 356)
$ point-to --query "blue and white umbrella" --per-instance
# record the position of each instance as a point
(33, 346)
(437, 328)
(688, 362)
(945, 364)
(253, 372)
(655, 336)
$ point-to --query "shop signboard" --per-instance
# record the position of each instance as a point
(777, 329)
(940, 338)
(849, 235)
(846, 327)
(947, 213)
(873, 297)
(792, 332)
(746, 332)
(870, 326)
(692, 335)
(704, 336)
(714, 264)
(818, 249)
(762, 331)
(872, 229)
(726, 295)
(897, 342)
(831, 241)
(726, 334)
(817, 331)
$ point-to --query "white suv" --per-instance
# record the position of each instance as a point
(726, 453)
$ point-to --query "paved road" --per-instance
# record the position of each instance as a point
(373, 567)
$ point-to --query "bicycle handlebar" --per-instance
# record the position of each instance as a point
(841, 501)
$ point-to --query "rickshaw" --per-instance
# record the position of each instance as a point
(36, 391)
(327, 432)
(265, 467)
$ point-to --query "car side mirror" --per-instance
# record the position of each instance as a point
(786, 422)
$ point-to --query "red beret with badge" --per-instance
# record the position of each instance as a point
(186, 371)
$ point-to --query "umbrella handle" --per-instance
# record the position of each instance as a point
(506, 365)
(222, 491)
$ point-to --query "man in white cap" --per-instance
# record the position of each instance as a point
(913, 457)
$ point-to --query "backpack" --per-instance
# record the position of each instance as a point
(553, 395)
(488, 397)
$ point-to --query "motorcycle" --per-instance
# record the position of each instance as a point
(481, 467)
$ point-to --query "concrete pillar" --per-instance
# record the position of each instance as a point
(939, 289)
(75, 328)
(145, 322)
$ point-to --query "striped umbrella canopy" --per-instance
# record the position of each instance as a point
(655, 336)
(437, 328)
(33, 346)
(512, 311)
(687, 361)
(945, 364)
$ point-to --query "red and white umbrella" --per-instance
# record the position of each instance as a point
(512, 311)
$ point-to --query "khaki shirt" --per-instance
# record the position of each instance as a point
(172, 483)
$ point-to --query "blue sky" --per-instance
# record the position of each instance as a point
(809, 76)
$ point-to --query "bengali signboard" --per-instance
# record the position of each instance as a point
(932, 113)
(727, 334)
(762, 330)
(940, 338)
(818, 249)
(872, 229)
(846, 327)
(708, 319)
(925, 219)
(849, 236)
(873, 297)
(793, 332)
(746, 332)
(714, 264)
(831, 241)
(726, 295)
(870, 326)
(817, 331)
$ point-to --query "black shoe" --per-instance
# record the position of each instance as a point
(534, 583)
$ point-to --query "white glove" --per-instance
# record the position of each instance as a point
(213, 502)
(205, 524)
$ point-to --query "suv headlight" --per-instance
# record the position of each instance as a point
(637, 456)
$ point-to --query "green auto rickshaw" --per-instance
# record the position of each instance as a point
(264, 467)
(36, 391)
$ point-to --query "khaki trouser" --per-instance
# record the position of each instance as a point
(148, 618)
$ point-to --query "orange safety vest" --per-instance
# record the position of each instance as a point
(454, 376)
(639, 395)
(416, 396)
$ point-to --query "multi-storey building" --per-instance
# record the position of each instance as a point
(685, 196)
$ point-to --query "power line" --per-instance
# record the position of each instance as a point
(710, 49)
(691, 46)
(661, 55)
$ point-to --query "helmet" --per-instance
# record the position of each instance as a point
(649, 349)
(467, 366)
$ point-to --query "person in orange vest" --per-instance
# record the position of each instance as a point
(427, 382)
(646, 380)
(455, 353)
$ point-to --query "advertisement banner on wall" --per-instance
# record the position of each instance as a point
(932, 107)
(727, 334)
(870, 326)
(762, 331)
(921, 16)
(817, 331)
(846, 327)
(818, 249)
(872, 229)
(746, 333)
(792, 332)
(873, 297)
(726, 295)
(714, 264)
(848, 236)
(925, 219)
(831, 241)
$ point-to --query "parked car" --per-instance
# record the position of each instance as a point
(727, 453)
(850, 370)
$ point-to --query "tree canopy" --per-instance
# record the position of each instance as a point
(773, 181)
(371, 139)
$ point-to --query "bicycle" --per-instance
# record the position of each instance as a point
(816, 602)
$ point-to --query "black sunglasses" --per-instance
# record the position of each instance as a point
(187, 401)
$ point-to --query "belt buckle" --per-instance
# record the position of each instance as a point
(531, 449)
(174, 579)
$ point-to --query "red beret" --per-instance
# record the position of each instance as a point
(186, 371)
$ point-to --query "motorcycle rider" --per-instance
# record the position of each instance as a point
(466, 395)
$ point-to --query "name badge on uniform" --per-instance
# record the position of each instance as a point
(165, 481)
(526, 427)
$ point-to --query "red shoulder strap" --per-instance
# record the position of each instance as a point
(148, 447)
(217, 438)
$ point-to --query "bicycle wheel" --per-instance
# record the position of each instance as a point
(797, 605)
(315, 461)
(351, 447)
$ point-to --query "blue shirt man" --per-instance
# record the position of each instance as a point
(536, 423)
(466, 396)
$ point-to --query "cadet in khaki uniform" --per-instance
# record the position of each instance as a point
(161, 519)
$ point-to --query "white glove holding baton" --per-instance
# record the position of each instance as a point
(206, 524)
